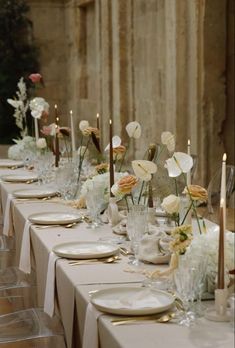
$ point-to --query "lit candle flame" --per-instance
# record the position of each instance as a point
(97, 115)
(55, 106)
(224, 157)
(71, 112)
(221, 202)
(189, 143)
(110, 121)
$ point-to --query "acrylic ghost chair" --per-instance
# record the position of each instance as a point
(214, 193)
(30, 328)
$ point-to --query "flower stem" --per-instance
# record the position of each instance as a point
(123, 158)
(127, 204)
(188, 210)
(141, 191)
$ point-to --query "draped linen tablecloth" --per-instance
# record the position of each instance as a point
(74, 283)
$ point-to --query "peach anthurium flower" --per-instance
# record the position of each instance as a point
(168, 139)
(179, 163)
(144, 169)
(116, 141)
(133, 129)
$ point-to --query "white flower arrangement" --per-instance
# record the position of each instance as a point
(208, 242)
(20, 104)
(101, 179)
(17, 151)
(38, 106)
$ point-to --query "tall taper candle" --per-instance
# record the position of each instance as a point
(72, 132)
(220, 282)
(98, 121)
(57, 150)
(223, 186)
(111, 169)
(36, 129)
(189, 173)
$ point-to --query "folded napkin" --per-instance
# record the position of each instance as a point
(7, 216)
(154, 248)
(49, 301)
(120, 228)
(91, 334)
(25, 261)
(142, 299)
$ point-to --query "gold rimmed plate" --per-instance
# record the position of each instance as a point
(35, 193)
(54, 218)
(19, 178)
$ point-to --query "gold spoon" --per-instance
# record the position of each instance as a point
(65, 226)
(104, 260)
(132, 320)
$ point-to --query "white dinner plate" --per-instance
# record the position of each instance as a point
(85, 250)
(19, 178)
(5, 163)
(54, 218)
(132, 300)
(34, 193)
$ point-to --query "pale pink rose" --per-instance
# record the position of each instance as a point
(35, 78)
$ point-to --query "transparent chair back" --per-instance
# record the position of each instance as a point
(30, 328)
(7, 252)
(214, 188)
(17, 290)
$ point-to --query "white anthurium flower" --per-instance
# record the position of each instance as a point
(171, 204)
(144, 169)
(116, 141)
(179, 163)
(41, 143)
(168, 139)
(37, 106)
(83, 125)
(133, 129)
(15, 103)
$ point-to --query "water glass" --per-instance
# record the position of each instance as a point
(136, 227)
(66, 181)
(95, 203)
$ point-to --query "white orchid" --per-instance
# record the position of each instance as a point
(144, 169)
(133, 129)
(168, 139)
(37, 106)
(83, 125)
(116, 142)
(179, 163)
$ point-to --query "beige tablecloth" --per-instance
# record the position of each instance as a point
(74, 283)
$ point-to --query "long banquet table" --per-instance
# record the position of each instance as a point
(73, 284)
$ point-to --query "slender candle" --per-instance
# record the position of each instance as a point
(98, 121)
(57, 151)
(36, 129)
(223, 186)
(72, 132)
(111, 170)
(220, 283)
(189, 173)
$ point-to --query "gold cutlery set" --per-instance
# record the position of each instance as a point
(110, 259)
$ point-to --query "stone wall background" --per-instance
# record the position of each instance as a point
(165, 63)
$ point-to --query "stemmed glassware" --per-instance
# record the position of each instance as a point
(95, 203)
(189, 282)
(136, 226)
(43, 166)
(66, 181)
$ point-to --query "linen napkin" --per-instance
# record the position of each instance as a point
(91, 334)
(155, 248)
(49, 301)
(7, 216)
(25, 261)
